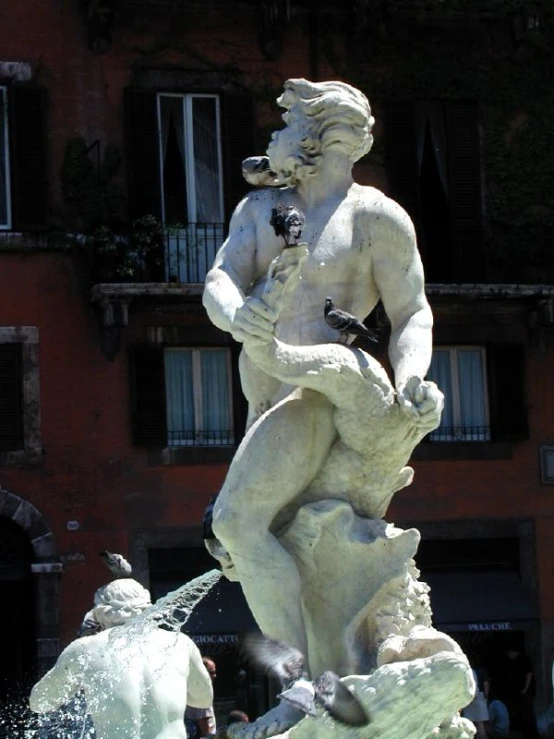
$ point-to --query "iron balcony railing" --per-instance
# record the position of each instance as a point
(190, 251)
(200, 438)
(461, 433)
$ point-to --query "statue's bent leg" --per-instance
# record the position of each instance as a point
(277, 460)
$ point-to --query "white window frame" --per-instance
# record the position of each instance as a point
(199, 432)
(459, 435)
(4, 113)
(188, 99)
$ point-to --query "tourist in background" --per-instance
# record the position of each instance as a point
(200, 722)
(498, 726)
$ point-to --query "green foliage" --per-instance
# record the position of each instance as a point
(136, 257)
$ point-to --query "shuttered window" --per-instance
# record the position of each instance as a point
(182, 396)
(460, 372)
(28, 170)
(5, 199)
(11, 398)
(507, 388)
(434, 167)
(184, 167)
(484, 389)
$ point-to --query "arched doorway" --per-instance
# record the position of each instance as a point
(17, 614)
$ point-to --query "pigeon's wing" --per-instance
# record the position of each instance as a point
(339, 701)
(284, 662)
(207, 521)
(277, 220)
(89, 626)
(301, 697)
(337, 319)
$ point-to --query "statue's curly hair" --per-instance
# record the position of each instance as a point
(337, 116)
(119, 601)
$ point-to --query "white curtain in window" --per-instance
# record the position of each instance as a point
(216, 411)
(3, 162)
(472, 391)
(440, 373)
(206, 161)
(179, 393)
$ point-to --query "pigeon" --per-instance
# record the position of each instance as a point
(207, 530)
(287, 664)
(89, 626)
(346, 323)
(117, 564)
(256, 171)
(288, 222)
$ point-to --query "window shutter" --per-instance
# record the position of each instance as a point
(464, 191)
(239, 142)
(148, 401)
(11, 398)
(28, 157)
(507, 384)
(402, 156)
(143, 166)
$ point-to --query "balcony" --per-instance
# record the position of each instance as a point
(460, 433)
(151, 264)
(189, 252)
(187, 437)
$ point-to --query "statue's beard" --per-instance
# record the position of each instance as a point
(294, 169)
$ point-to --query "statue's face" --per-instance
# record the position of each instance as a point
(284, 144)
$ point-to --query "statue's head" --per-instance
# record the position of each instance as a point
(320, 116)
(119, 601)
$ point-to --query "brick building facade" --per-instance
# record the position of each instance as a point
(108, 109)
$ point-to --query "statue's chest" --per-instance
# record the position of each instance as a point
(331, 244)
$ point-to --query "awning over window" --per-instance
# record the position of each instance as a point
(498, 599)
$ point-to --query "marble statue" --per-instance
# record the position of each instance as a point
(298, 521)
(135, 688)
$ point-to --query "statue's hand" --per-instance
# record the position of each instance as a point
(422, 402)
(254, 322)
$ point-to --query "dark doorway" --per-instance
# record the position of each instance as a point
(17, 622)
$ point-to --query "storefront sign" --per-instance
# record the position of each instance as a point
(215, 638)
(491, 626)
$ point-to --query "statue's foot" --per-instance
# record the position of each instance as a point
(274, 722)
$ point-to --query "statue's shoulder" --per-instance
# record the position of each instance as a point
(374, 206)
(261, 198)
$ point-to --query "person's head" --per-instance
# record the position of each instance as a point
(119, 601)
(320, 117)
(236, 717)
(209, 664)
(512, 652)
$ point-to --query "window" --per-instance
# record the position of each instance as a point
(11, 398)
(189, 132)
(5, 205)
(20, 440)
(460, 372)
(183, 397)
(434, 157)
(198, 397)
(184, 154)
